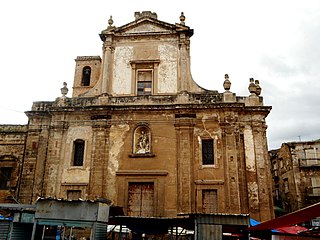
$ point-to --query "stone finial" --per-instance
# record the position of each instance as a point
(182, 19)
(258, 88)
(64, 90)
(110, 22)
(226, 83)
(252, 87)
(143, 14)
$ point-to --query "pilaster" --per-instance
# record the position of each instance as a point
(185, 160)
(231, 171)
(99, 163)
(55, 160)
(263, 172)
(107, 65)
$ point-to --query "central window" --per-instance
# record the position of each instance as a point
(144, 77)
(78, 152)
(207, 152)
(144, 82)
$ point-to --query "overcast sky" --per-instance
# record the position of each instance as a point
(274, 41)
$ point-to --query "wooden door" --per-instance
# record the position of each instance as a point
(141, 199)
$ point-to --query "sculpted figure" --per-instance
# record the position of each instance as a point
(143, 143)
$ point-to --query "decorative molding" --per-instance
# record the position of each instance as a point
(141, 172)
(142, 155)
(74, 184)
(209, 182)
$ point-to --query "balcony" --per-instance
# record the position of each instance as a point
(309, 162)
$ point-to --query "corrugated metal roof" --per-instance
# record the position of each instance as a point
(18, 207)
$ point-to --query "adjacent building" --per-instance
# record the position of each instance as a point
(139, 131)
(296, 174)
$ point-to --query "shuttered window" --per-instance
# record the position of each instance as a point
(144, 83)
(207, 152)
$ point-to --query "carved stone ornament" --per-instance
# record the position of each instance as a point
(258, 88)
(182, 19)
(252, 87)
(226, 83)
(142, 140)
(64, 89)
(110, 21)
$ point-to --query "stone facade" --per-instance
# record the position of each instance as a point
(139, 131)
(12, 145)
(296, 175)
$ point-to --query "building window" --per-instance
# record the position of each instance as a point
(315, 182)
(144, 82)
(207, 152)
(86, 75)
(5, 176)
(73, 194)
(209, 201)
(144, 77)
(78, 152)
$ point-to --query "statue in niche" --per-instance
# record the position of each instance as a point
(142, 141)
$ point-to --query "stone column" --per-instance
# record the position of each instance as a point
(185, 161)
(183, 68)
(106, 65)
(99, 159)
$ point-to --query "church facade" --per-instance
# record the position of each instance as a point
(139, 131)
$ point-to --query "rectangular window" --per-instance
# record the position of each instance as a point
(78, 152)
(73, 194)
(315, 181)
(209, 201)
(5, 177)
(144, 82)
(207, 152)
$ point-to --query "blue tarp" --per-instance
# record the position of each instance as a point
(254, 222)
(5, 218)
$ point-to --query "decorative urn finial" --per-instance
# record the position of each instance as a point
(64, 90)
(110, 21)
(182, 19)
(226, 83)
(258, 88)
(252, 87)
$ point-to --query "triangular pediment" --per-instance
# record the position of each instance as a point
(146, 25)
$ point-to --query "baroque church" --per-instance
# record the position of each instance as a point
(140, 132)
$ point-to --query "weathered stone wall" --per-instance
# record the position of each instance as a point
(12, 145)
(122, 79)
(177, 115)
(168, 78)
(298, 167)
